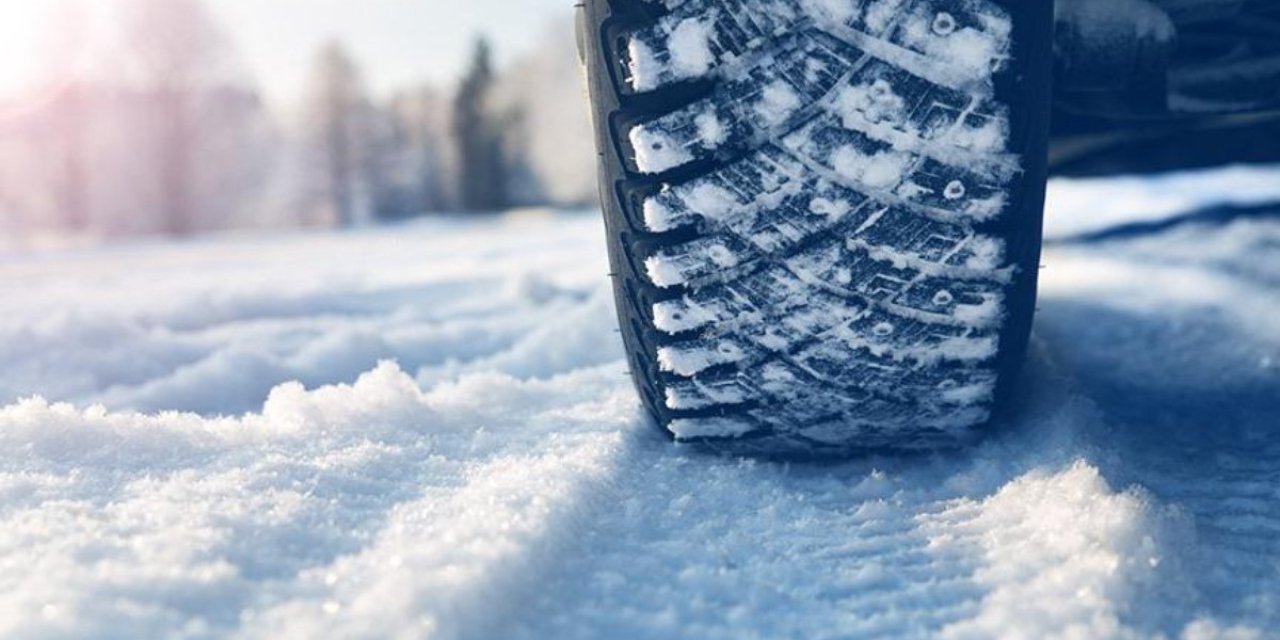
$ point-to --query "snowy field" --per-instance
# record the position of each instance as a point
(427, 431)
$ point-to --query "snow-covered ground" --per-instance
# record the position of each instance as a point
(427, 431)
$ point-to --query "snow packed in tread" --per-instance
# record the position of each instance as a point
(835, 273)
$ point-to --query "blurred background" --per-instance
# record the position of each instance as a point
(166, 118)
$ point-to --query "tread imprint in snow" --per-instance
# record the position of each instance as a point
(822, 276)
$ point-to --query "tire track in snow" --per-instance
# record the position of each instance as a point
(452, 564)
(1020, 536)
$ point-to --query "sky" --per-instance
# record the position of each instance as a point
(397, 42)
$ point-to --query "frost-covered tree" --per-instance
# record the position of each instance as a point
(482, 171)
(524, 185)
(549, 131)
(69, 170)
(414, 148)
(340, 122)
(177, 56)
(68, 116)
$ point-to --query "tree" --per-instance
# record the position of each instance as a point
(548, 137)
(339, 108)
(71, 174)
(69, 112)
(178, 55)
(482, 171)
(423, 117)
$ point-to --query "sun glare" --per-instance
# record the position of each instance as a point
(45, 46)
(45, 42)
(23, 25)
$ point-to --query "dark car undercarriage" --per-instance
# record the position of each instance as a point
(1156, 85)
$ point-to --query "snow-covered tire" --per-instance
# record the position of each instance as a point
(823, 215)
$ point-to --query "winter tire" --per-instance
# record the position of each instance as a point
(823, 215)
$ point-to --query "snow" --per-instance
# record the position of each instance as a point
(656, 151)
(831, 209)
(710, 428)
(708, 199)
(644, 66)
(674, 316)
(880, 14)
(882, 170)
(686, 53)
(1109, 558)
(664, 272)
(841, 11)
(690, 47)
(689, 361)
(874, 102)
(778, 101)
(427, 431)
(711, 131)
(969, 49)
(1076, 207)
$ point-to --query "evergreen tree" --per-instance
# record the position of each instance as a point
(482, 173)
(417, 146)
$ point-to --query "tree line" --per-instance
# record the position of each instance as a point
(178, 140)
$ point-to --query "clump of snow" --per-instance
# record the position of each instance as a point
(657, 216)
(880, 14)
(970, 394)
(831, 209)
(1078, 552)
(710, 200)
(986, 208)
(645, 69)
(840, 11)
(669, 268)
(986, 252)
(702, 198)
(690, 47)
(777, 102)
(675, 316)
(702, 396)
(688, 361)
(656, 151)
(874, 102)
(663, 272)
(880, 170)
(722, 256)
(711, 131)
(972, 50)
(710, 428)
(967, 349)
(986, 313)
